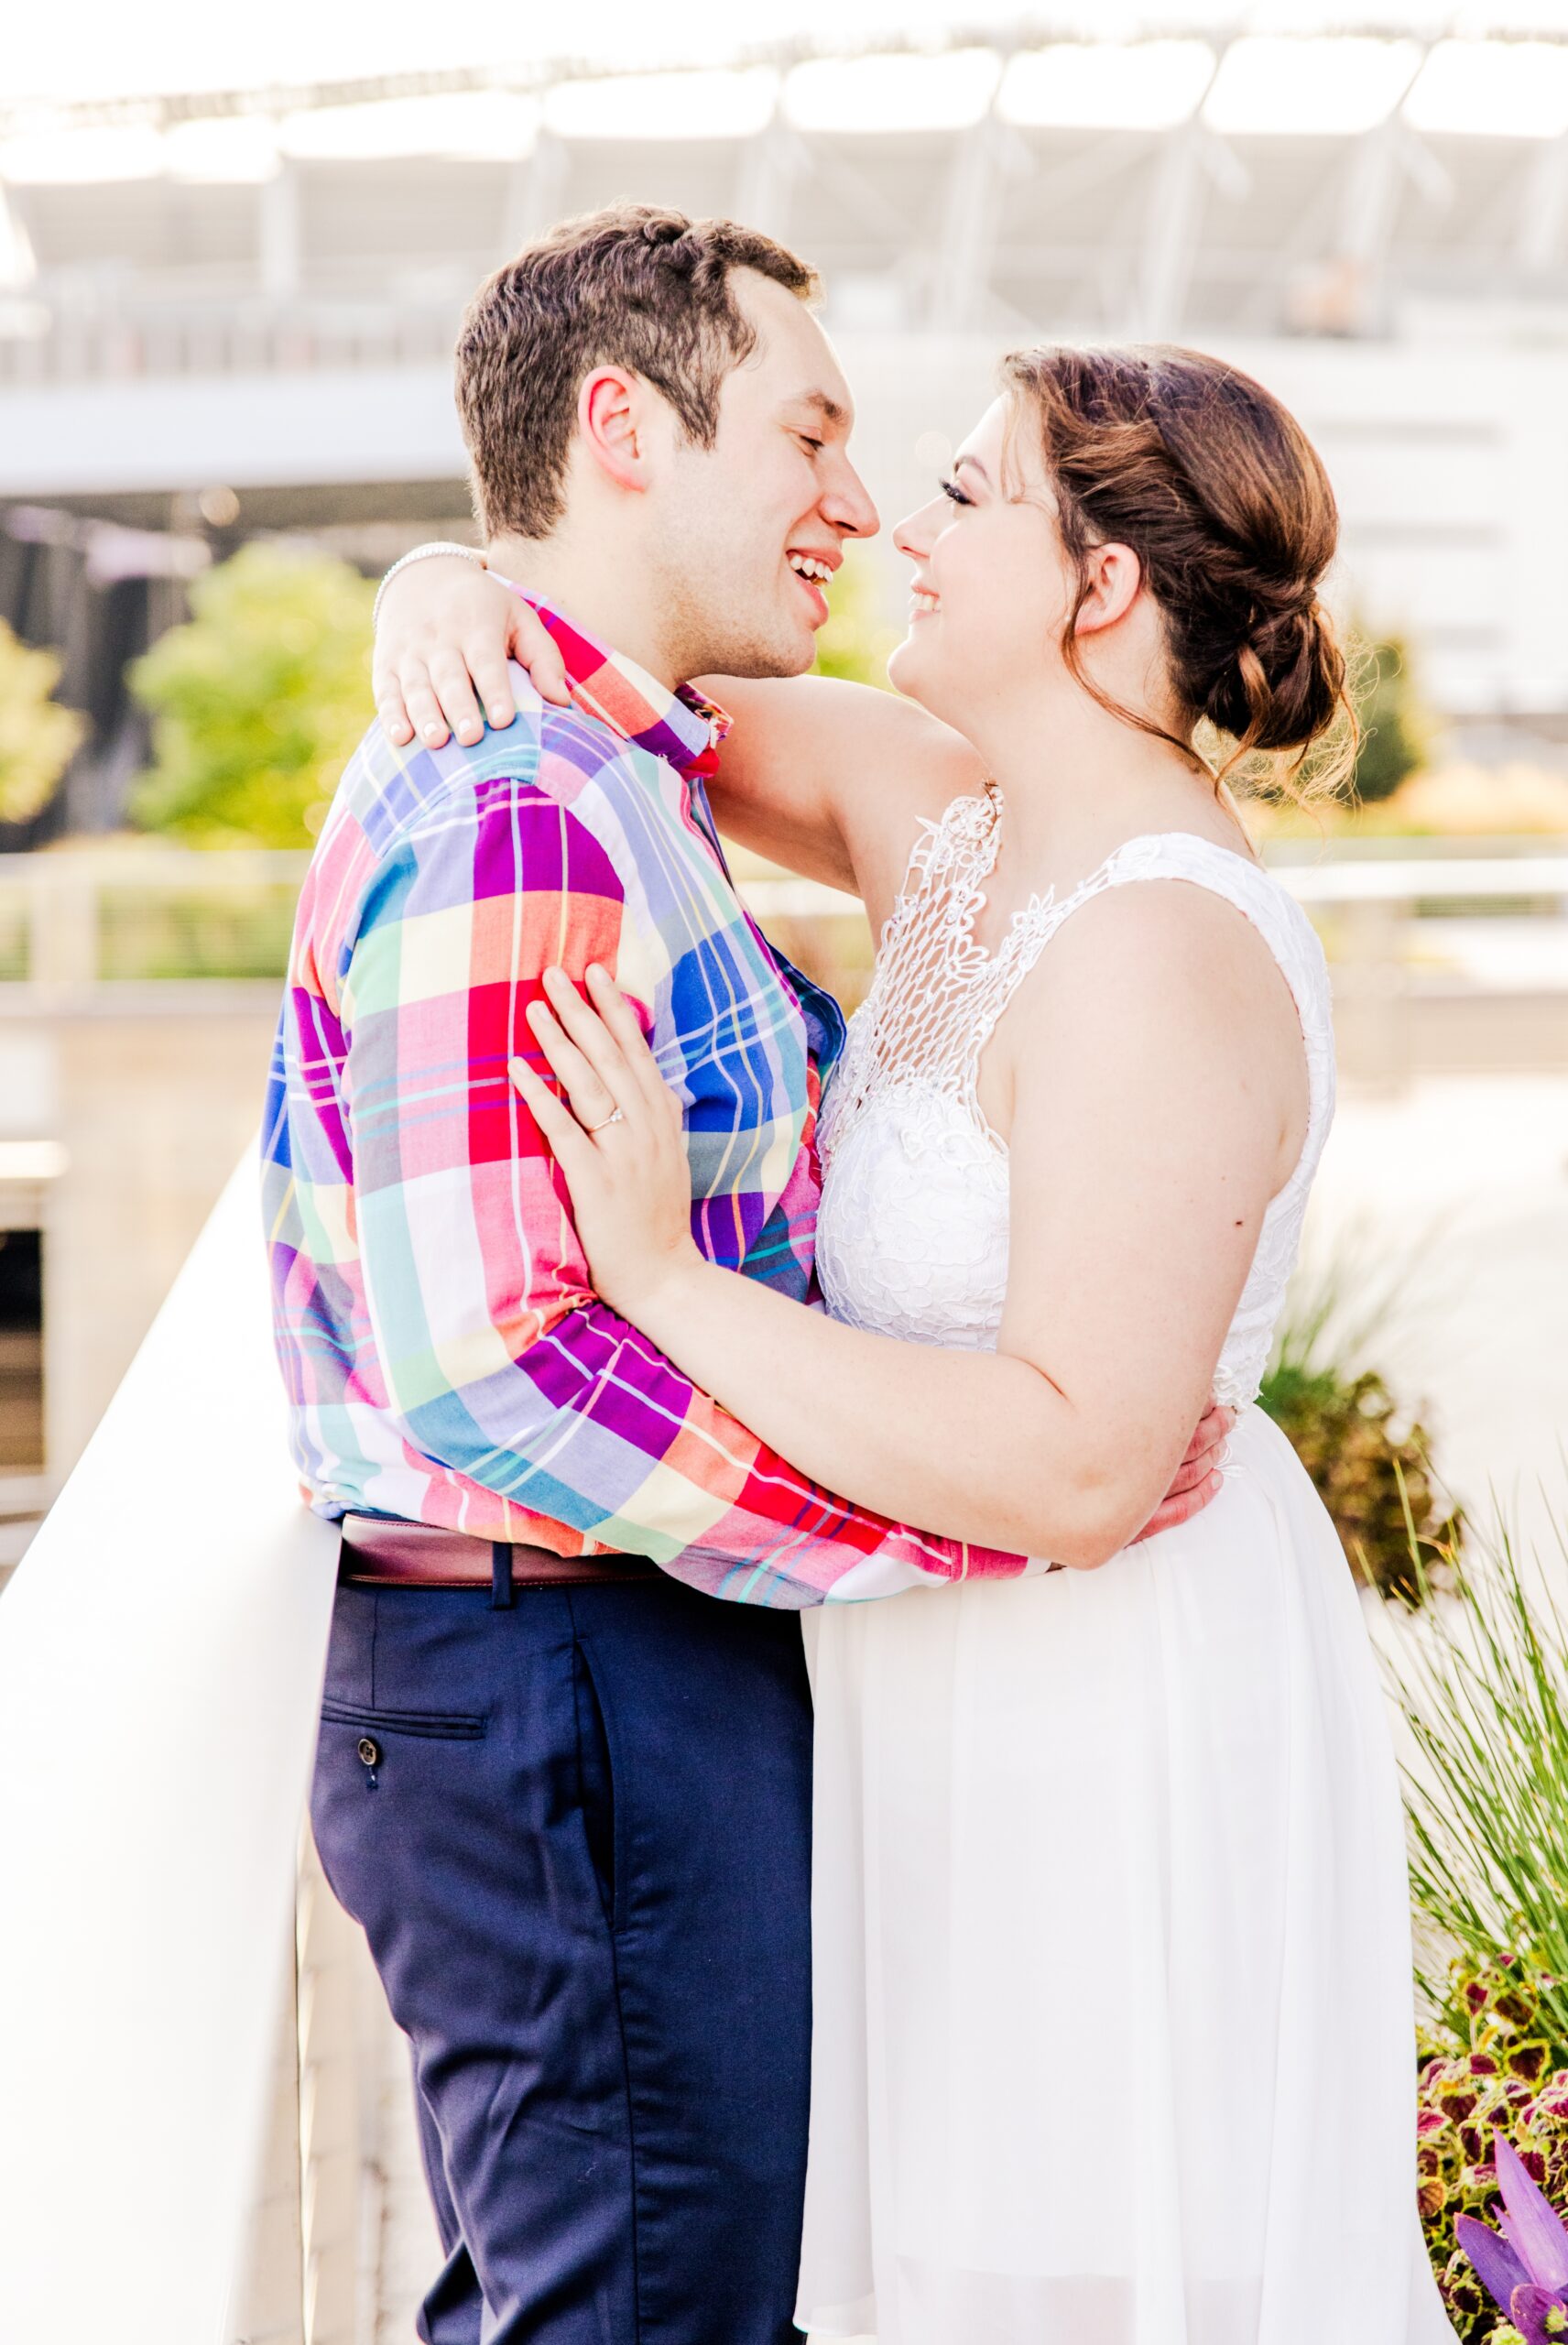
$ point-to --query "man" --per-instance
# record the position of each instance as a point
(566, 1794)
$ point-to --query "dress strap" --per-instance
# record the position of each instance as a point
(1273, 912)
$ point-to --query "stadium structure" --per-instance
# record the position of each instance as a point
(233, 314)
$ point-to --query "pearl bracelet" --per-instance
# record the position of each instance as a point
(422, 554)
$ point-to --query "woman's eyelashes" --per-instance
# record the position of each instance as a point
(950, 488)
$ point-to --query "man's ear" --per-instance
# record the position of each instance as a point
(1116, 575)
(610, 416)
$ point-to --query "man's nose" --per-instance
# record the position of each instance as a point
(848, 505)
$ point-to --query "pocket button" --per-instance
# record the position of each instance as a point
(369, 1751)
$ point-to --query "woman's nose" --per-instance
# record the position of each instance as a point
(910, 537)
(918, 532)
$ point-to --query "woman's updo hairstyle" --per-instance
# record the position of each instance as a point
(1223, 498)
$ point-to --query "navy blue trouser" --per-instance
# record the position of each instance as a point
(577, 1834)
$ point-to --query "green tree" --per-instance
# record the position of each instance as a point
(1396, 726)
(257, 701)
(38, 738)
(858, 638)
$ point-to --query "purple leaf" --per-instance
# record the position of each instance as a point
(1499, 2270)
(1541, 2318)
(1536, 2232)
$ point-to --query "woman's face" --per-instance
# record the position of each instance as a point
(993, 586)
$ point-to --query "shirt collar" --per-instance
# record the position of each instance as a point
(679, 726)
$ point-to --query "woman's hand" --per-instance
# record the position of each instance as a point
(620, 1138)
(446, 631)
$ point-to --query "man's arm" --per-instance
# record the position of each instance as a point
(498, 1360)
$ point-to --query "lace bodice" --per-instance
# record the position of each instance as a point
(912, 1233)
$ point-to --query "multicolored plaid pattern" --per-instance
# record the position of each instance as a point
(445, 1357)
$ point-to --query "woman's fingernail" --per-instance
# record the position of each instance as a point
(432, 732)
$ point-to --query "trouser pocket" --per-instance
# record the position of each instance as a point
(442, 1726)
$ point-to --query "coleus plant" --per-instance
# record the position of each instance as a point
(1523, 2265)
(1500, 2065)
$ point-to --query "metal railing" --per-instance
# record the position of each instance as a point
(87, 918)
(229, 333)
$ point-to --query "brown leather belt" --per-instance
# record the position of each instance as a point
(380, 1552)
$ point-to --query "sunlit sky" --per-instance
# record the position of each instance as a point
(102, 49)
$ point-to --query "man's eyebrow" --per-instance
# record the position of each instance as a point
(826, 407)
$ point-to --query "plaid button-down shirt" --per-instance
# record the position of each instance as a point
(445, 1356)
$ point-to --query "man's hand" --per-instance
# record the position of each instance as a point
(1198, 1478)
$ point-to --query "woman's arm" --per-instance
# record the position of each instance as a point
(831, 779)
(1147, 1140)
(827, 778)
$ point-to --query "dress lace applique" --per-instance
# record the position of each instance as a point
(912, 1235)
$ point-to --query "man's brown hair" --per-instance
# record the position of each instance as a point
(631, 286)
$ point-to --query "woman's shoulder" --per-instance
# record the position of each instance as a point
(1175, 931)
(1225, 874)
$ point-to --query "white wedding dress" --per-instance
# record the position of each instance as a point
(1114, 2037)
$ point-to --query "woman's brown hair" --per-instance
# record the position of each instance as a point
(1225, 500)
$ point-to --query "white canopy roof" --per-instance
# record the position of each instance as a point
(100, 51)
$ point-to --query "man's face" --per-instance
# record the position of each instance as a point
(735, 527)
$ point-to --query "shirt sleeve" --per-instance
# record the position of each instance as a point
(499, 1362)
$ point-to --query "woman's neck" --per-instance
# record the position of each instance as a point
(1079, 781)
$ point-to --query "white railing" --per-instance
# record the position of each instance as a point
(1410, 880)
(1416, 990)
(1446, 956)
(56, 908)
(161, 1646)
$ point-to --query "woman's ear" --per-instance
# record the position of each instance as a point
(1114, 577)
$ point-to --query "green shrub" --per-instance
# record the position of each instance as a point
(1371, 1459)
(37, 737)
(257, 701)
(1396, 726)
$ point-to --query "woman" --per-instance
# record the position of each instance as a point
(1112, 1962)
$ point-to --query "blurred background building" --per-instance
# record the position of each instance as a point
(228, 312)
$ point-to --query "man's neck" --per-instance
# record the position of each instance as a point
(613, 607)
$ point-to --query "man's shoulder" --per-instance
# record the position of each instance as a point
(549, 803)
(561, 755)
